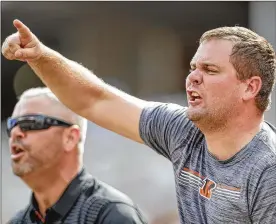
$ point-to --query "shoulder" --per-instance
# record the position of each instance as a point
(109, 203)
(266, 146)
(167, 118)
(164, 109)
(103, 191)
(94, 189)
(121, 213)
(263, 157)
(269, 136)
(19, 216)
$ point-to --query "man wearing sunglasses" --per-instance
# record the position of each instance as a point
(46, 143)
(222, 151)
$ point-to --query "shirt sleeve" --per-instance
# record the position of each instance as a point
(264, 207)
(164, 127)
(121, 213)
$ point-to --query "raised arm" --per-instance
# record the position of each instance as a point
(77, 87)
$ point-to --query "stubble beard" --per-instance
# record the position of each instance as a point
(207, 120)
(21, 170)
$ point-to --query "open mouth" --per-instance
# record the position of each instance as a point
(194, 96)
(16, 153)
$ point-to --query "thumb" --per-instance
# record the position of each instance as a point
(25, 34)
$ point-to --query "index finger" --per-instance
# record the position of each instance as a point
(23, 30)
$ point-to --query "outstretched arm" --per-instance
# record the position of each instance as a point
(77, 87)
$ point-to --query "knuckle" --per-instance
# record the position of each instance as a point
(5, 52)
(13, 48)
(8, 56)
(4, 45)
(4, 48)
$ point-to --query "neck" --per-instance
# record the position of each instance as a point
(49, 185)
(229, 140)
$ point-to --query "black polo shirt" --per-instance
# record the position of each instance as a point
(85, 200)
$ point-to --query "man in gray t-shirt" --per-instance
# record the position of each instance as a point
(241, 189)
(223, 152)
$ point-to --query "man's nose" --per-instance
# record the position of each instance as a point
(16, 133)
(195, 77)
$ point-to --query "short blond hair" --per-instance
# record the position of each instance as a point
(46, 92)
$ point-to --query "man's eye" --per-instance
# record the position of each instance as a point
(211, 71)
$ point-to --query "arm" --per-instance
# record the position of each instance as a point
(264, 206)
(87, 95)
(120, 213)
(76, 86)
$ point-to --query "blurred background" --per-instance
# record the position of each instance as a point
(143, 48)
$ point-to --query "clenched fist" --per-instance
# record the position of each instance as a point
(22, 45)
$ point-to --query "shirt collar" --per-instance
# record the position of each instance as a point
(66, 201)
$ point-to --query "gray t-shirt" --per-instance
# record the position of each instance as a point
(241, 189)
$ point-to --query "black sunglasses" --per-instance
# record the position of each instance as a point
(33, 122)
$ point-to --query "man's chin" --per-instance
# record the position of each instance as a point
(22, 171)
(194, 115)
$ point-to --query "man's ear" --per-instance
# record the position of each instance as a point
(253, 87)
(71, 138)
